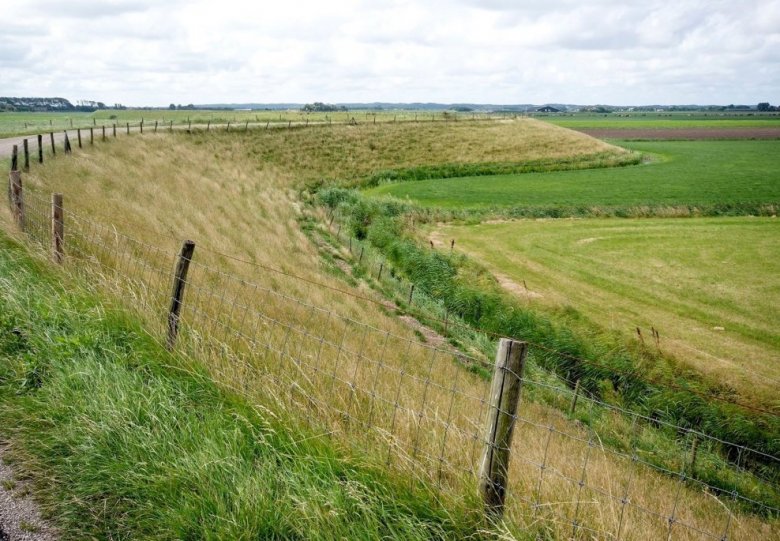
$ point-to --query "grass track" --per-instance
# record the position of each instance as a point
(685, 277)
(683, 173)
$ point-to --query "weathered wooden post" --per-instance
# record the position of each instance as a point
(104, 132)
(17, 199)
(141, 125)
(360, 259)
(78, 135)
(57, 228)
(113, 128)
(128, 128)
(26, 147)
(504, 398)
(66, 144)
(379, 274)
(91, 135)
(14, 158)
(177, 297)
(694, 453)
(53, 148)
(411, 292)
(40, 148)
(573, 407)
(155, 126)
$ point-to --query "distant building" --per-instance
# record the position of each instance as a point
(548, 109)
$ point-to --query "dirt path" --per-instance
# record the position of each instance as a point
(20, 518)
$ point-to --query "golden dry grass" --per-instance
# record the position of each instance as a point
(345, 364)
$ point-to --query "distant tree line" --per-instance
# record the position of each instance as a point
(319, 107)
(52, 104)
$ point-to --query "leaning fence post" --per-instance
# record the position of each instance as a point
(26, 146)
(57, 228)
(504, 398)
(575, 397)
(411, 293)
(17, 200)
(177, 297)
(66, 144)
(15, 158)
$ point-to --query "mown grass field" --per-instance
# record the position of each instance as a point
(679, 173)
(708, 285)
(244, 195)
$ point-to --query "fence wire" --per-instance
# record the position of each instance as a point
(422, 409)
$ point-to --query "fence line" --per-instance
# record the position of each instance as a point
(423, 409)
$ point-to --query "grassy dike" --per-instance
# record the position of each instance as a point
(124, 440)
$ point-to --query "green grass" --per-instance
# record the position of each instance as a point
(687, 278)
(125, 441)
(665, 120)
(682, 173)
(18, 123)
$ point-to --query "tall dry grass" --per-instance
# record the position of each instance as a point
(342, 363)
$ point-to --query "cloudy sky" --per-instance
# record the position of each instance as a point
(154, 52)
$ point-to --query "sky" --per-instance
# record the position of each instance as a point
(617, 52)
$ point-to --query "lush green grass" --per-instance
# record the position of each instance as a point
(127, 442)
(665, 120)
(13, 123)
(681, 173)
(709, 286)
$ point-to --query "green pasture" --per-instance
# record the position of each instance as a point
(12, 123)
(679, 173)
(707, 285)
(664, 120)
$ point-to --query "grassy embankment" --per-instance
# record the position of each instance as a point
(683, 178)
(127, 441)
(242, 195)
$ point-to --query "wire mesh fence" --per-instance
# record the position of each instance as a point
(422, 409)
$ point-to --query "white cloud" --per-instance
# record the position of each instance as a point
(499, 51)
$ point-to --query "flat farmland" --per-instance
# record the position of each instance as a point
(708, 285)
(674, 173)
(713, 120)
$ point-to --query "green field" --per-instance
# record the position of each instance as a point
(708, 285)
(680, 173)
(664, 120)
(22, 123)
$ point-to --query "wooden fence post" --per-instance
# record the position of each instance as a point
(66, 144)
(40, 148)
(57, 228)
(113, 127)
(78, 135)
(15, 158)
(53, 148)
(104, 132)
(91, 135)
(142, 126)
(504, 398)
(379, 274)
(360, 259)
(177, 297)
(128, 128)
(155, 126)
(26, 146)
(17, 199)
(411, 292)
(694, 453)
(573, 407)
